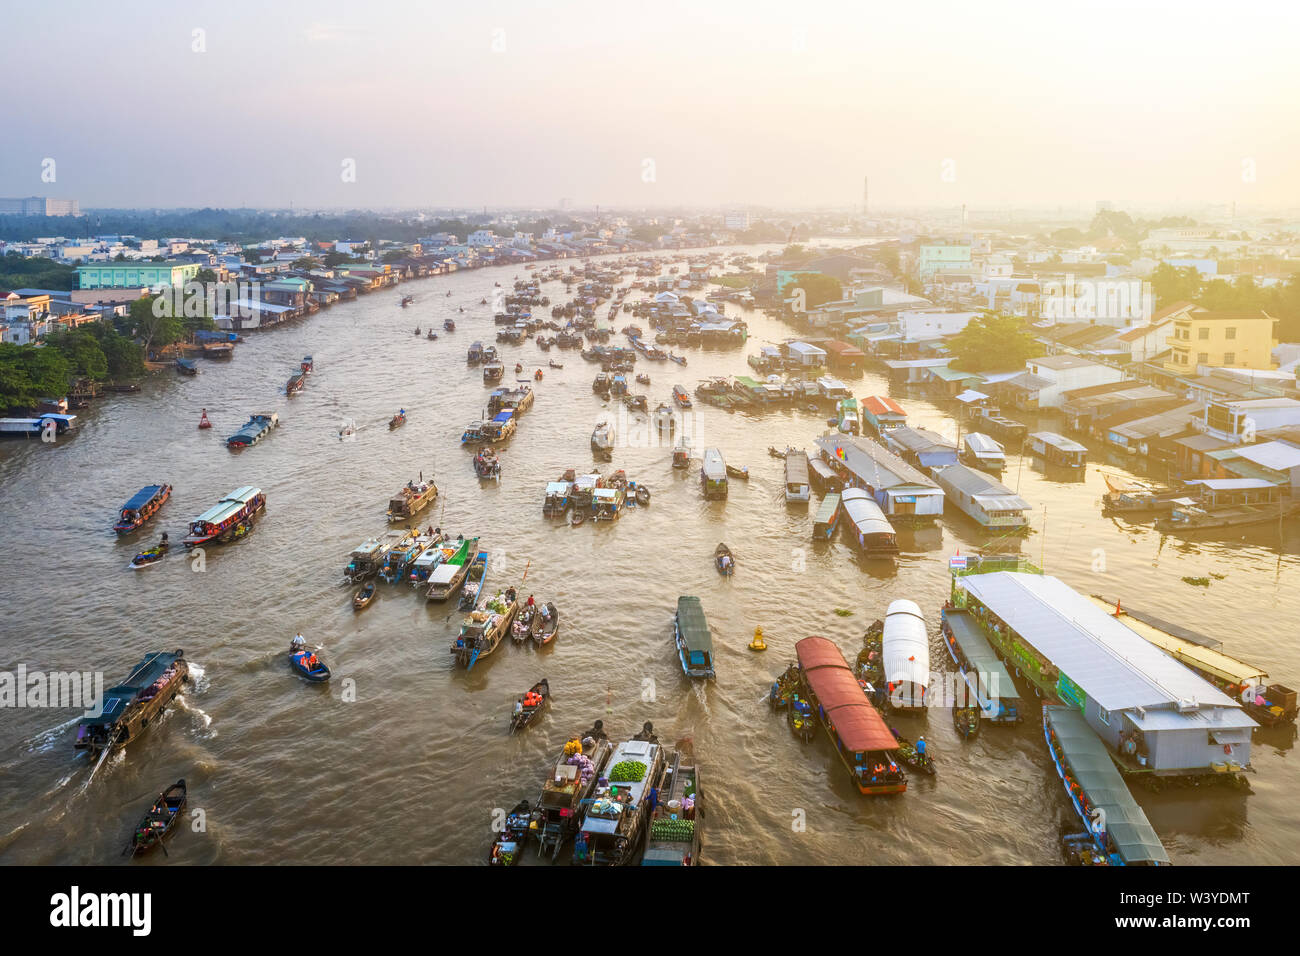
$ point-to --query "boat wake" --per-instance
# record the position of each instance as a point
(47, 739)
(202, 718)
(198, 683)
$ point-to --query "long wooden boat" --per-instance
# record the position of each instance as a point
(255, 429)
(221, 522)
(529, 706)
(856, 730)
(1188, 515)
(413, 498)
(693, 638)
(400, 556)
(723, 561)
(572, 778)
(365, 594)
(398, 420)
(187, 366)
(132, 705)
(546, 624)
(160, 819)
(991, 692)
(614, 822)
(681, 396)
(867, 524)
(905, 648)
(522, 627)
(828, 517)
(602, 441)
(297, 382)
(150, 556)
(673, 837)
(142, 506)
(482, 631)
(476, 575)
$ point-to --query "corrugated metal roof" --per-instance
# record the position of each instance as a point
(981, 444)
(1274, 455)
(874, 464)
(1112, 665)
(1058, 441)
(987, 490)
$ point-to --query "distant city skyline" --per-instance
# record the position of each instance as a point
(513, 105)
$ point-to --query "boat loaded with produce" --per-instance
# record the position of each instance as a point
(674, 835)
(614, 822)
(568, 786)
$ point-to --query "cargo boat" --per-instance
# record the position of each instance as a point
(1117, 830)
(614, 821)
(255, 429)
(866, 523)
(557, 500)
(673, 838)
(35, 427)
(693, 639)
(435, 554)
(905, 651)
(713, 474)
(565, 790)
(393, 567)
(828, 518)
(411, 500)
(446, 579)
(221, 522)
(681, 396)
(132, 705)
(482, 631)
(797, 488)
(856, 730)
(602, 442)
(297, 382)
(142, 506)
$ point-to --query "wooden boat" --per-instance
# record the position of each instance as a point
(693, 638)
(679, 359)
(160, 819)
(493, 372)
(537, 375)
(131, 706)
(966, 721)
(909, 755)
(187, 366)
(566, 788)
(742, 473)
(664, 419)
(142, 506)
(255, 429)
(723, 560)
(602, 441)
(476, 572)
(522, 628)
(510, 843)
(673, 838)
(554, 364)
(221, 522)
(530, 705)
(150, 556)
(407, 300)
(681, 396)
(486, 463)
(308, 666)
(413, 498)
(398, 420)
(308, 364)
(546, 626)
(614, 822)
(475, 355)
(641, 494)
(365, 594)
(431, 335)
(643, 379)
(449, 325)
(681, 457)
(297, 382)
(483, 629)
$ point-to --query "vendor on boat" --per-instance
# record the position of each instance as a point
(597, 731)
(647, 733)
(920, 746)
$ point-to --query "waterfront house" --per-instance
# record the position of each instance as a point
(903, 493)
(920, 447)
(1064, 373)
(1222, 339)
(990, 503)
(1126, 688)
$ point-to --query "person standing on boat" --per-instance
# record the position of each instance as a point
(597, 731)
(531, 602)
(920, 746)
(298, 642)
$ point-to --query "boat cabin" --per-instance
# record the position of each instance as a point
(607, 503)
(557, 499)
(828, 517)
(713, 474)
(693, 637)
(981, 451)
(867, 524)
(1058, 450)
(797, 486)
(905, 649)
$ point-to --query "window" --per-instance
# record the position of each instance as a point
(1229, 358)
(1104, 716)
(1202, 333)
(1202, 358)
(1230, 333)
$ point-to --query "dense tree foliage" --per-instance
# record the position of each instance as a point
(994, 342)
(29, 373)
(19, 272)
(817, 287)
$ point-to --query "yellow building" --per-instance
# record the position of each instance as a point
(1221, 340)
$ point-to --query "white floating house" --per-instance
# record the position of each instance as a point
(903, 493)
(866, 524)
(983, 497)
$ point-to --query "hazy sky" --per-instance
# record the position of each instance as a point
(711, 103)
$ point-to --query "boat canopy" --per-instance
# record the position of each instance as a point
(843, 703)
(982, 446)
(796, 468)
(1060, 442)
(503, 417)
(557, 488)
(1091, 766)
(865, 513)
(826, 510)
(445, 573)
(905, 646)
(714, 467)
(994, 682)
(694, 628)
(143, 497)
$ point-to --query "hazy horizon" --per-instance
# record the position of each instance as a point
(519, 106)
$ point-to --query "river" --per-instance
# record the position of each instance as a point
(412, 769)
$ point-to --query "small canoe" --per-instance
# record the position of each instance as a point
(966, 721)
(160, 820)
(642, 495)
(523, 624)
(149, 557)
(365, 594)
(577, 519)
(546, 628)
(397, 421)
(509, 844)
(909, 755)
(741, 473)
(309, 666)
(530, 705)
(554, 364)
(724, 560)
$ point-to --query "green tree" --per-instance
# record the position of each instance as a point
(206, 276)
(994, 342)
(818, 289)
(154, 330)
(29, 373)
(82, 351)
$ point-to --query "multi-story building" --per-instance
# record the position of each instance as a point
(38, 206)
(134, 275)
(943, 257)
(1221, 340)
